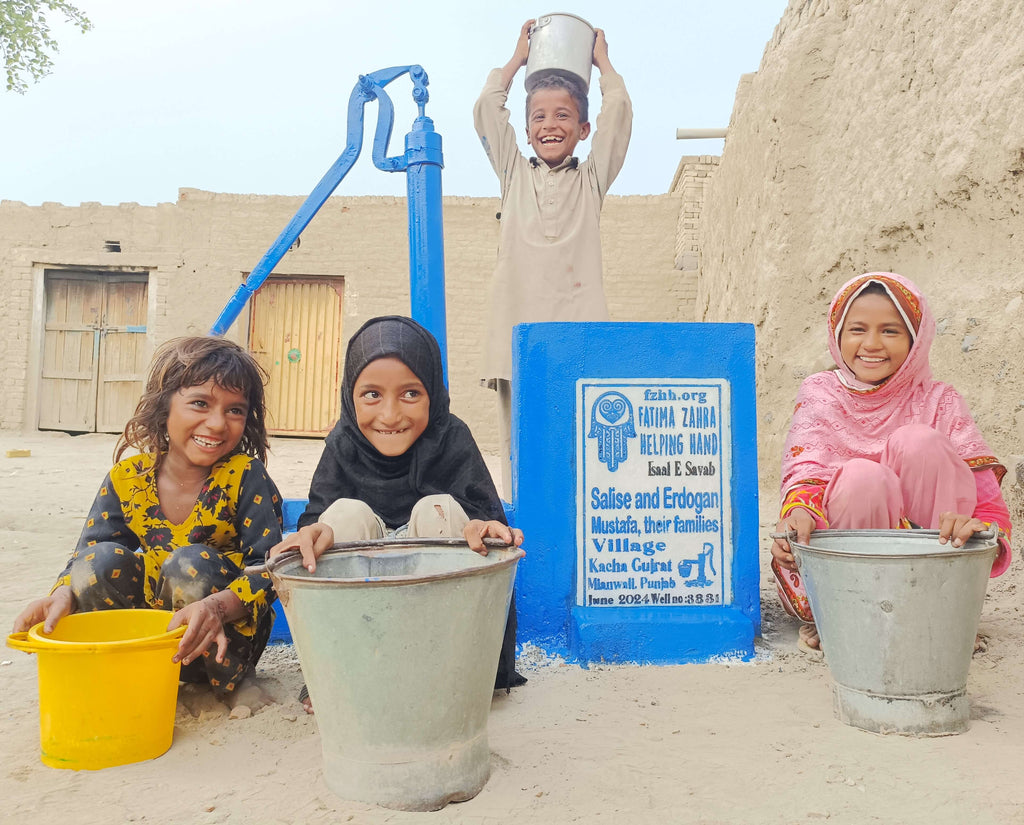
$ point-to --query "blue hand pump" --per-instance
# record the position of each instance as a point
(422, 163)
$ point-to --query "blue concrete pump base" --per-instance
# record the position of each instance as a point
(634, 479)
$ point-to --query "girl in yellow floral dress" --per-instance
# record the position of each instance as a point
(173, 527)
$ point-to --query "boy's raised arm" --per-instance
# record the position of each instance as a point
(614, 121)
(491, 117)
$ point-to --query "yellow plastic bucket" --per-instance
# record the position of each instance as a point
(107, 687)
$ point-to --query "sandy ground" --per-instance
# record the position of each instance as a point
(724, 743)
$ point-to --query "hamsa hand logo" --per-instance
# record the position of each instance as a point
(611, 423)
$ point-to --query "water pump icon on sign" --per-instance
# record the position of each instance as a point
(704, 559)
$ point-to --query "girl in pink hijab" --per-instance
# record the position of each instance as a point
(878, 443)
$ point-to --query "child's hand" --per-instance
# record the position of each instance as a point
(476, 531)
(518, 59)
(50, 610)
(601, 51)
(312, 541)
(522, 45)
(803, 523)
(205, 619)
(959, 527)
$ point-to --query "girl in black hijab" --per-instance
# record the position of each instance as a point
(398, 463)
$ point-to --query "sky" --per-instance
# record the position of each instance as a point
(251, 96)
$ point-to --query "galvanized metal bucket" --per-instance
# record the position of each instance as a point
(897, 614)
(399, 644)
(561, 44)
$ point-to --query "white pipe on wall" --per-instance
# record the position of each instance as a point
(696, 134)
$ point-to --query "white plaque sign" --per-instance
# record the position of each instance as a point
(654, 493)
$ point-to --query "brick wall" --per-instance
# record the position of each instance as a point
(692, 183)
(199, 249)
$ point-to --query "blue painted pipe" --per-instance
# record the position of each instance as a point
(422, 163)
(426, 231)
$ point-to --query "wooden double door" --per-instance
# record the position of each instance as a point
(95, 353)
(94, 350)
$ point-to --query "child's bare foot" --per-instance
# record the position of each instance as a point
(199, 700)
(808, 640)
(307, 703)
(251, 695)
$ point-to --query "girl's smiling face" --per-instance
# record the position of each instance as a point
(205, 423)
(874, 340)
(392, 406)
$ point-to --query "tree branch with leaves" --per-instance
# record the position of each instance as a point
(26, 41)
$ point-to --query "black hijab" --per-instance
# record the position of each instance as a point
(443, 460)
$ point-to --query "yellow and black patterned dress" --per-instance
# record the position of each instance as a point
(131, 555)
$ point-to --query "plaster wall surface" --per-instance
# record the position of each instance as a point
(877, 136)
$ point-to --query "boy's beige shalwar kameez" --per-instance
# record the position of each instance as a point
(549, 253)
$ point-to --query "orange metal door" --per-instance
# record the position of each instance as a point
(295, 334)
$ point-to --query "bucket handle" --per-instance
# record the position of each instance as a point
(985, 535)
(22, 641)
(19, 641)
(271, 565)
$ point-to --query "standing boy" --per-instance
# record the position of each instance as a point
(549, 252)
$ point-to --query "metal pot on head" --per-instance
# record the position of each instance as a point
(561, 44)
